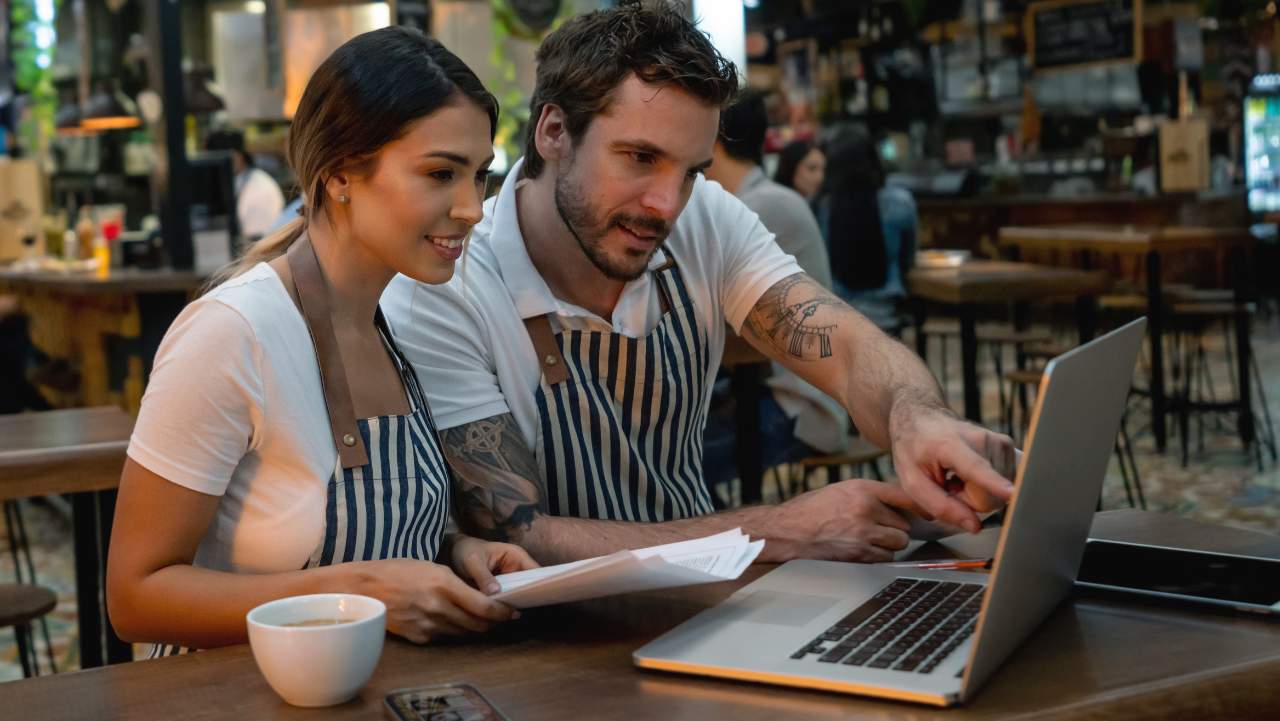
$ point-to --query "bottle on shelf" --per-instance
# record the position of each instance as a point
(102, 254)
(70, 246)
(86, 230)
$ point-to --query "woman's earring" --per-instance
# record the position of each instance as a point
(343, 198)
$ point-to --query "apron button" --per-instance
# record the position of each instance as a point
(348, 440)
(550, 360)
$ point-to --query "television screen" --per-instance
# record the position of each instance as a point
(1262, 152)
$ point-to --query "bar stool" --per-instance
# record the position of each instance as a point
(1193, 320)
(24, 602)
(1022, 379)
(995, 337)
(20, 604)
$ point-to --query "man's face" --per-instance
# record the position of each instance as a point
(630, 174)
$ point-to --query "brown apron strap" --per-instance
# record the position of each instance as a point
(544, 345)
(544, 339)
(669, 263)
(664, 302)
(313, 297)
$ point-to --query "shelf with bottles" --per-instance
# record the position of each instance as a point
(978, 60)
(966, 29)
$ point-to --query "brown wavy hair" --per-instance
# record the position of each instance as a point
(582, 62)
(363, 96)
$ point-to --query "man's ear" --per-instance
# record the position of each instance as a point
(551, 136)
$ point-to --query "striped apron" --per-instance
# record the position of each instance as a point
(397, 504)
(392, 503)
(621, 418)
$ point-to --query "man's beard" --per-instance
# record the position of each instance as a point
(578, 216)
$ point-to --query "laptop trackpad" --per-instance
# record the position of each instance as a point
(777, 608)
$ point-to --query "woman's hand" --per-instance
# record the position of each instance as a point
(425, 599)
(477, 561)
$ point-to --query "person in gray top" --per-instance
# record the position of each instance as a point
(797, 419)
(736, 165)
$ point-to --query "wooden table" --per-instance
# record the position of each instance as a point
(984, 282)
(108, 326)
(1096, 657)
(1152, 244)
(79, 452)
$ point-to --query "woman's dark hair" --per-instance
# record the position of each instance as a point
(789, 161)
(364, 95)
(582, 62)
(855, 236)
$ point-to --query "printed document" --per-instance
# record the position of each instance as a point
(722, 557)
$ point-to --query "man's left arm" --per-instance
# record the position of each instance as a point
(892, 397)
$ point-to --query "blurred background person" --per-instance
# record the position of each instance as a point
(259, 200)
(870, 230)
(801, 167)
(797, 420)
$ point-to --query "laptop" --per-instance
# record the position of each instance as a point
(931, 637)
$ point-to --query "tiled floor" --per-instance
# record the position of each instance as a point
(1221, 484)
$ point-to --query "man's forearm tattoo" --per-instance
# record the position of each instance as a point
(797, 317)
(497, 494)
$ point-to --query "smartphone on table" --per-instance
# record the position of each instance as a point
(1242, 583)
(445, 702)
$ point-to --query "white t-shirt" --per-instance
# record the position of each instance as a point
(234, 408)
(467, 338)
(258, 202)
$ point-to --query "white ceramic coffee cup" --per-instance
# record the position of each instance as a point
(318, 665)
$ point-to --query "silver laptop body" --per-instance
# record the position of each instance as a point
(773, 630)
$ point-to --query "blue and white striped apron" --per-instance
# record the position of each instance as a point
(621, 418)
(394, 506)
(397, 504)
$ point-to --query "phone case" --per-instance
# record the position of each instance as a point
(441, 702)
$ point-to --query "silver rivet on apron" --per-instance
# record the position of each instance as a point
(348, 440)
(550, 360)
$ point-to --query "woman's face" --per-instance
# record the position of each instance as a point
(421, 194)
(809, 173)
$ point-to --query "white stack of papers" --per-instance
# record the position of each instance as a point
(722, 557)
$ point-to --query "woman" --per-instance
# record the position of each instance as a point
(870, 230)
(801, 167)
(284, 446)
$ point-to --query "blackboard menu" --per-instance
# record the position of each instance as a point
(1081, 32)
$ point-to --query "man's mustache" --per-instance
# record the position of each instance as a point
(657, 226)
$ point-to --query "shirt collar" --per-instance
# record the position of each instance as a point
(529, 292)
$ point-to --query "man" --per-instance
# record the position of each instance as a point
(796, 419)
(569, 362)
(258, 197)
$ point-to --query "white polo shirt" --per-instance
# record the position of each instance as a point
(467, 338)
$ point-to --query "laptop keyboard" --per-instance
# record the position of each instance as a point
(910, 625)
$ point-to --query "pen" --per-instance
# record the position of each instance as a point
(945, 565)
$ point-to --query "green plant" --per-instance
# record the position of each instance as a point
(507, 27)
(31, 41)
